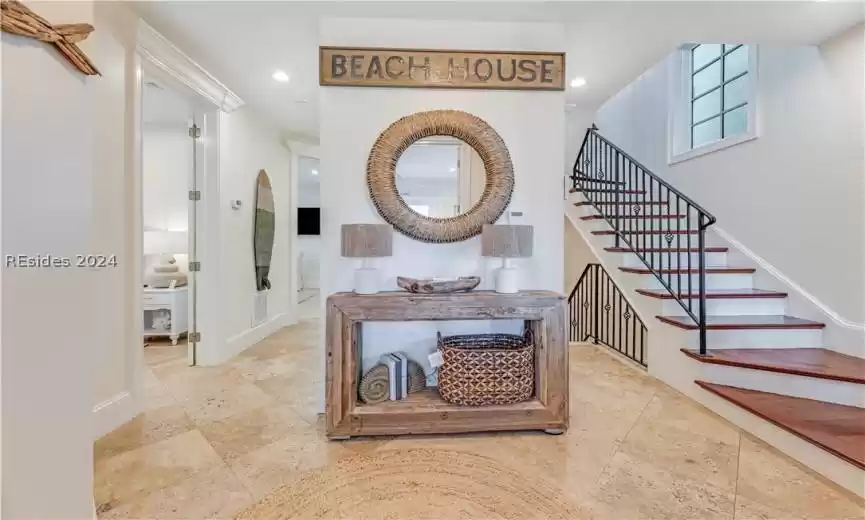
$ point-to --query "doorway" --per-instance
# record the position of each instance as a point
(308, 236)
(171, 169)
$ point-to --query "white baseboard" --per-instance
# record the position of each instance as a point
(112, 413)
(240, 342)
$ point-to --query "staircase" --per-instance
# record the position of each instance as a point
(718, 338)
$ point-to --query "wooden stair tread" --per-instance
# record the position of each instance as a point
(712, 249)
(647, 232)
(714, 294)
(694, 270)
(632, 217)
(812, 362)
(743, 322)
(836, 428)
(622, 203)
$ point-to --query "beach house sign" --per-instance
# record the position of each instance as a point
(426, 68)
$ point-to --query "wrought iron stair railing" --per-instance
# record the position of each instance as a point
(652, 219)
(600, 311)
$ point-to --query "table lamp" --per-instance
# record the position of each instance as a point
(506, 242)
(366, 241)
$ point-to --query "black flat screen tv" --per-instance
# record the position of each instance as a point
(308, 221)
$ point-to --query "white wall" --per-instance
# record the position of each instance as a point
(113, 297)
(166, 168)
(531, 124)
(577, 256)
(577, 120)
(793, 196)
(50, 183)
(166, 158)
(246, 146)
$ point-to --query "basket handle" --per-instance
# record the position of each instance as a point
(439, 338)
(528, 336)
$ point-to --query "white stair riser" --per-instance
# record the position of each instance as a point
(641, 241)
(646, 225)
(840, 392)
(625, 209)
(659, 224)
(713, 281)
(758, 338)
(665, 259)
(627, 224)
(731, 307)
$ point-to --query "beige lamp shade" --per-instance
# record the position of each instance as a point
(367, 240)
(505, 241)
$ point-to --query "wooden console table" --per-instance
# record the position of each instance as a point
(426, 412)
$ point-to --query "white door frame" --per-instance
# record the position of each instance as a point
(187, 77)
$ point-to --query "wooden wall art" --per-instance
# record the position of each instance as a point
(19, 20)
(381, 175)
(427, 68)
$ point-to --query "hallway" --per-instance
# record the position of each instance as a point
(215, 441)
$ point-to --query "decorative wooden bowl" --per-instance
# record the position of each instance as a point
(432, 286)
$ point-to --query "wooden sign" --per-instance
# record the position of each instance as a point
(372, 67)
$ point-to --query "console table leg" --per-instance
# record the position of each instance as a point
(554, 431)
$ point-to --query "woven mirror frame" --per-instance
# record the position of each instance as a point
(381, 175)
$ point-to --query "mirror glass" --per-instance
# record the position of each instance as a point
(440, 176)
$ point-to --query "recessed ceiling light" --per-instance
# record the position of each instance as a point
(281, 76)
(301, 101)
(314, 172)
(578, 82)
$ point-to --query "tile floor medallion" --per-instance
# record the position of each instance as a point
(244, 440)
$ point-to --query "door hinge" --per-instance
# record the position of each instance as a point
(194, 132)
(194, 267)
(194, 337)
(194, 195)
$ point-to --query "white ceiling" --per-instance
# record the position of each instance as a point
(609, 43)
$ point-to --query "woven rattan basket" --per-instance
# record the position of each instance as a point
(484, 369)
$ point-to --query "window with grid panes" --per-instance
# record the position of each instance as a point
(719, 92)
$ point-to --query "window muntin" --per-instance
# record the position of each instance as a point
(719, 92)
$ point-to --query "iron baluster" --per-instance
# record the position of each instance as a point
(638, 230)
(617, 194)
(597, 301)
(701, 241)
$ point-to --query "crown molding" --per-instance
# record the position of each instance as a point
(174, 62)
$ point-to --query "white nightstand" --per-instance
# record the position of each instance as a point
(166, 312)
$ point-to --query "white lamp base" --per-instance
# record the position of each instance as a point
(366, 280)
(507, 280)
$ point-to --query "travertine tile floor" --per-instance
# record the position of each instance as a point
(213, 442)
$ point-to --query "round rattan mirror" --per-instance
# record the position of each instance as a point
(381, 175)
